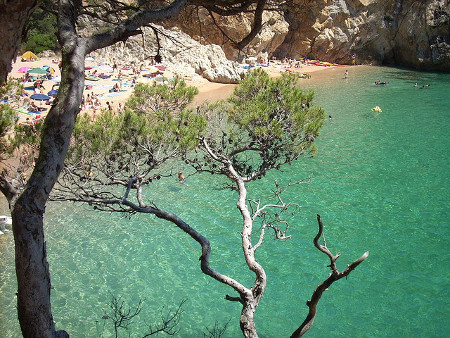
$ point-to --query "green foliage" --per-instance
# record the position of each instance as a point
(11, 89)
(269, 109)
(154, 128)
(26, 138)
(267, 122)
(40, 42)
(155, 98)
(28, 135)
(40, 34)
(8, 118)
(21, 143)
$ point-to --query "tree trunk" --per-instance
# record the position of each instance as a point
(13, 18)
(33, 276)
(247, 320)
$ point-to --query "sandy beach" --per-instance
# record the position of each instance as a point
(208, 91)
(98, 92)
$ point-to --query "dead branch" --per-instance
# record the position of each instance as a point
(334, 276)
(169, 322)
(194, 234)
(279, 233)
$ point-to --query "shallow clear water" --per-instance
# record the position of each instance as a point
(380, 182)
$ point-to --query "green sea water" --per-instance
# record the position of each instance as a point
(380, 181)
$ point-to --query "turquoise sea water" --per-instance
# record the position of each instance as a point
(380, 182)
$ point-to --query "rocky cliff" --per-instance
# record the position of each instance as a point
(413, 33)
(181, 54)
(204, 28)
(403, 32)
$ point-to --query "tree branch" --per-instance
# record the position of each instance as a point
(194, 234)
(8, 190)
(169, 321)
(257, 24)
(234, 299)
(334, 276)
(130, 26)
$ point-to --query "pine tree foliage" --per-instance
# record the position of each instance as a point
(156, 127)
(266, 123)
(8, 118)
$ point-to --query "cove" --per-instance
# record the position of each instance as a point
(380, 181)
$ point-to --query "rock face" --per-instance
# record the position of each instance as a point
(183, 55)
(413, 33)
(232, 30)
(210, 62)
(404, 32)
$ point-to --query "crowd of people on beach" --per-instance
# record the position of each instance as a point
(104, 85)
(109, 82)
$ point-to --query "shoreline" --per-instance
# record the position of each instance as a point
(100, 87)
(217, 91)
(208, 91)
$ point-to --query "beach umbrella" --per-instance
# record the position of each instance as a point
(56, 79)
(89, 58)
(49, 69)
(29, 56)
(37, 71)
(24, 69)
(161, 68)
(40, 97)
(52, 92)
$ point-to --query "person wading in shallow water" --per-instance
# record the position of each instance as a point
(181, 178)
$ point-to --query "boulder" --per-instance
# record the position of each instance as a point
(181, 54)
